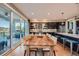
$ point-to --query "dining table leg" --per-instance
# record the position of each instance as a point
(28, 51)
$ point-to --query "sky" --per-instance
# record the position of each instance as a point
(4, 23)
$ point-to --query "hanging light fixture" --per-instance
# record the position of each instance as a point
(62, 13)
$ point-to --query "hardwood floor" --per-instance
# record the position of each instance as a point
(60, 51)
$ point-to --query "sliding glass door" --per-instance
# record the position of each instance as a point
(4, 29)
(16, 29)
(12, 29)
(22, 28)
(26, 28)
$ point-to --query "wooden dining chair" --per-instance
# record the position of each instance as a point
(24, 43)
(55, 43)
(47, 50)
(25, 52)
(33, 50)
(54, 52)
(54, 39)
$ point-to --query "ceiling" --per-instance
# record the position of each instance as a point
(48, 11)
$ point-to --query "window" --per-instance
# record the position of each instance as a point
(4, 29)
(26, 28)
(12, 29)
(22, 28)
(16, 29)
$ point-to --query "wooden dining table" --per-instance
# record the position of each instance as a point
(40, 42)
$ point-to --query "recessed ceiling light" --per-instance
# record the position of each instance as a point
(48, 13)
(32, 13)
(66, 18)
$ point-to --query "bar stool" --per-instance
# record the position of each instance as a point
(71, 44)
(78, 48)
(63, 42)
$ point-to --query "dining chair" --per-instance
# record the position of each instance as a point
(33, 50)
(54, 39)
(55, 43)
(26, 38)
(46, 50)
(26, 49)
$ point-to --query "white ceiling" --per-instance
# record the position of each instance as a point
(48, 11)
